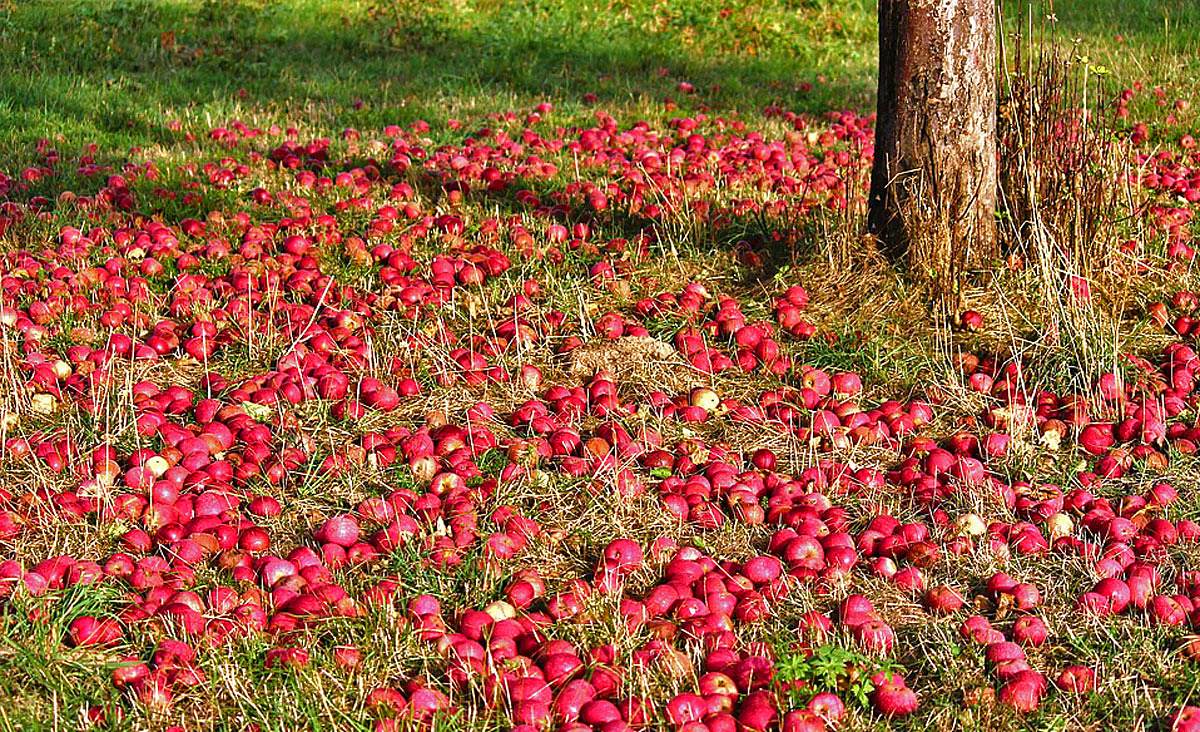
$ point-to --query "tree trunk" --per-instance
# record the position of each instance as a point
(933, 185)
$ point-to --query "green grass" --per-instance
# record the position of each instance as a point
(116, 72)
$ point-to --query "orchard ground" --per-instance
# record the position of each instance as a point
(465, 365)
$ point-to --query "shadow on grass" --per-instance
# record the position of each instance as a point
(118, 69)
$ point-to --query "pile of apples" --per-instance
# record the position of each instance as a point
(236, 359)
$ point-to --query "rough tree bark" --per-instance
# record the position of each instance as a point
(933, 185)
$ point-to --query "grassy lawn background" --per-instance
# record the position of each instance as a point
(115, 71)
